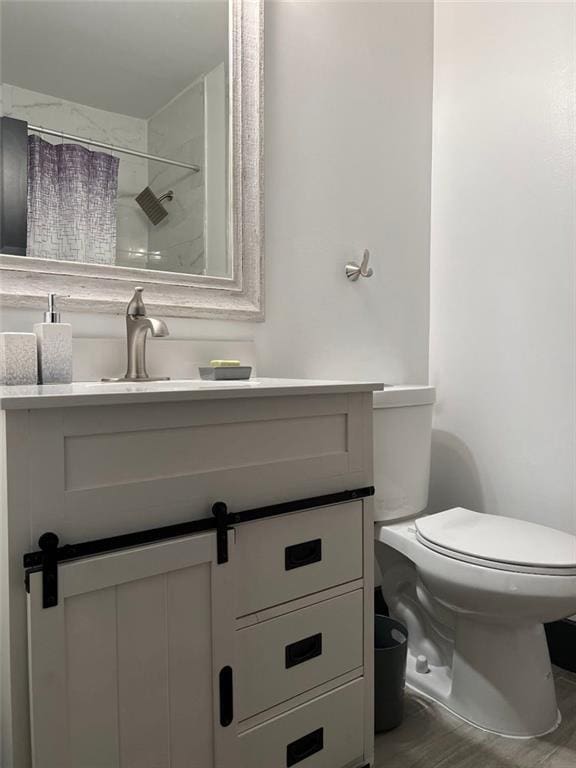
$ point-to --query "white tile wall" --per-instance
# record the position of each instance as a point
(177, 132)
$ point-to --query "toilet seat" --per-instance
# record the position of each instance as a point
(497, 542)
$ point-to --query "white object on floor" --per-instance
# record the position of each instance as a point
(480, 626)
(473, 589)
(18, 359)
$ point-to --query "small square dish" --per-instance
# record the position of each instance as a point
(225, 373)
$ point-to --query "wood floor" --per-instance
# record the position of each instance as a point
(430, 737)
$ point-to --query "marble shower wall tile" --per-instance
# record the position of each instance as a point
(109, 127)
(177, 132)
(179, 121)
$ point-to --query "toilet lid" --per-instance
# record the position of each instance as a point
(499, 542)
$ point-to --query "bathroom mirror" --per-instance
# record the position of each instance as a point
(132, 154)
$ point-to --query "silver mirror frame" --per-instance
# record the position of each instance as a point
(24, 282)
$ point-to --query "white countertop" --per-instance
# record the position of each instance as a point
(105, 393)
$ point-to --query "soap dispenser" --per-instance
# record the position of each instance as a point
(54, 341)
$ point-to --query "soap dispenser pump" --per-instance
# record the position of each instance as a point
(54, 341)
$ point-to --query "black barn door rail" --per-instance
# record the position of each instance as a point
(50, 554)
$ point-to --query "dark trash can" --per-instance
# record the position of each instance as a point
(391, 646)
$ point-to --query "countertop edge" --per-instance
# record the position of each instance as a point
(84, 399)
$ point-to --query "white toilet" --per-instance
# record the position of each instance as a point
(473, 589)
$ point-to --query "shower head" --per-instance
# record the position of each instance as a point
(152, 205)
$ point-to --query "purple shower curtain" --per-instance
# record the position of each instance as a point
(72, 201)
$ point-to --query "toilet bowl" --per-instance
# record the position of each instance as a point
(473, 589)
(476, 621)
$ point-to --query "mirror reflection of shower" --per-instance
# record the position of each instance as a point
(134, 176)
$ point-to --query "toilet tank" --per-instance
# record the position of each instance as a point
(402, 442)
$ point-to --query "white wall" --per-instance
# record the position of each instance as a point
(348, 141)
(347, 166)
(503, 317)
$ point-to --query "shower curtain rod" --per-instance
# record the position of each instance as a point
(112, 148)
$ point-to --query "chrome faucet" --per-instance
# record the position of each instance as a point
(137, 326)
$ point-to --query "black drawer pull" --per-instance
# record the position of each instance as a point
(226, 696)
(306, 553)
(303, 650)
(304, 747)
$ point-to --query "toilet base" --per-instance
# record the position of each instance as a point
(445, 706)
(500, 679)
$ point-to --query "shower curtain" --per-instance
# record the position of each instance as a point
(72, 201)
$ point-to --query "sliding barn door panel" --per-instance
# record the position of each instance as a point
(126, 675)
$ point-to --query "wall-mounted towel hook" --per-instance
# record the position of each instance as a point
(354, 271)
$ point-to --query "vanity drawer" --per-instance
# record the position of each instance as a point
(283, 657)
(324, 733)
(286, 557)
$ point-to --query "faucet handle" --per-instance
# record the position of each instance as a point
(136, 307)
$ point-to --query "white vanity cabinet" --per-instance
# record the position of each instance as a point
(164, 642)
